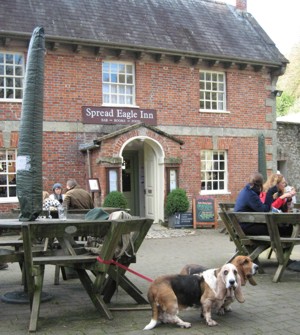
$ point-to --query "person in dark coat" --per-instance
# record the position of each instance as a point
(76, 197)
(248, 200)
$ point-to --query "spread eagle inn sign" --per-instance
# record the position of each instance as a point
(118, 115)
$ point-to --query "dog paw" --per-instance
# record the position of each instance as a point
(228, 309)
(185, 325)
(211, 323)
(221, 311)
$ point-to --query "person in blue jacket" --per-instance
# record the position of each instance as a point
(248, 200)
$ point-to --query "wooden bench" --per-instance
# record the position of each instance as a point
(255, 245)
(70, 255)
(251, 246)
(283, 246)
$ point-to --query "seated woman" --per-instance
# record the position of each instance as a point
(274, 188)
(57, 193)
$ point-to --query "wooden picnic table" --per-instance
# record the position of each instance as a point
(95, 273)
(253, 245)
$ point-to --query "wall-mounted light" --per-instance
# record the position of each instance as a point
(123, 165)
(277, 93)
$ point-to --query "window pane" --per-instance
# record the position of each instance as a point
(18, 82)
(113, 67)
(18, 94)
(105, 88)
(9, 59)
(9, 70)
(129, 101)
(121, 78)
(113, 78)
(105, 77)
(129, 90)
(121, 68)
(105, 67)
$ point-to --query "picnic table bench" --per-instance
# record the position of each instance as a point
(72, 255)
(253, 245)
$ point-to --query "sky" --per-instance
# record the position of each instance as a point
(279, 18)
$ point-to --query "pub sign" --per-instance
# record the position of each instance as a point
(118, 115)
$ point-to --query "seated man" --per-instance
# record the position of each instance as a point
(76, 197)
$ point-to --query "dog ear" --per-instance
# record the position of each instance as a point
(252, 281)
(238, 290)
(220, 287)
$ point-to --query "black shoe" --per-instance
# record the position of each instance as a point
(290, 261)
(3, 266)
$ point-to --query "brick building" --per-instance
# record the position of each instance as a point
(143, 95)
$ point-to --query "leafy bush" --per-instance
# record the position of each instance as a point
(284, 103)
(115, 199)
(177, 201)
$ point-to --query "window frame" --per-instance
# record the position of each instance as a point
(9, 175)
(14, 77)
(108, 179)
(203, 92)
(107, 86)
(205, 162)
(169, 171)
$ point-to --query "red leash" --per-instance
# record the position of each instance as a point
(99, 259)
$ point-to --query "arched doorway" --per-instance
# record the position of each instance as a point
(143, 177)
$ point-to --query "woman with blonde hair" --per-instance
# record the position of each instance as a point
(274, 190)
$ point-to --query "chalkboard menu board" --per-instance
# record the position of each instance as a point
(204, 211)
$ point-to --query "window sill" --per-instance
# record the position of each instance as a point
(9, 200)
(213, 111)
(120, 106)
(12, 100)
(214, 193)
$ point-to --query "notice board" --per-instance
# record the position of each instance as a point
(205, 212)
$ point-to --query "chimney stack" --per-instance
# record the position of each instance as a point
(241, 5)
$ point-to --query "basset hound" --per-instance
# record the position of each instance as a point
(169, 294)
(246, 269)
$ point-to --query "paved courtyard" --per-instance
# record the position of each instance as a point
(269, 308)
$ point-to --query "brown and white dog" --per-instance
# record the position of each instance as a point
(169, 294)
(246, 269)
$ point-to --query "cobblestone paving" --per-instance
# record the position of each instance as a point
(269, 308)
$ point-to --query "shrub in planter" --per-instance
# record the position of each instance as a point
(177, 201)
(115, 199)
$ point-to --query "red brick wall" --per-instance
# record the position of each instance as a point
(74, 80)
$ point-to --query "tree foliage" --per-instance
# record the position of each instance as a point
(290, 84)
(284, 103)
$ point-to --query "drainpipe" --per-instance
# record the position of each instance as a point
(89, 164)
